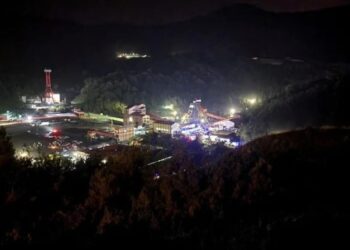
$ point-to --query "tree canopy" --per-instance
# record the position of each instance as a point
(282, 191)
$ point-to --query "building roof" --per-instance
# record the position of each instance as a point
(154, 116)
(162, 121)
(136, 113)
(135, 105)
(232, 136)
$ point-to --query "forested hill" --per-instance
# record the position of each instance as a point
(322, 102)
(221, 84)
(75, 51)
(285, 191)
(220, 57)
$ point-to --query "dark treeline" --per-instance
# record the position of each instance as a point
(9, 96)
(279, 192)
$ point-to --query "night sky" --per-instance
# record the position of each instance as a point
(146, 11)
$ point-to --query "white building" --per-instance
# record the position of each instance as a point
(141, 109)
(222, 125)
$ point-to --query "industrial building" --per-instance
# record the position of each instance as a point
(198, 124)
(163, 126)
(48, 99)
(137, 117)
(124, 133)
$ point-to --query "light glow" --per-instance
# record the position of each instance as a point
(251, 101)
(29, 119)
(131, 55)
(170, 106)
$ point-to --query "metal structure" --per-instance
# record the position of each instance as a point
(48, 88)
(195, 112)
(198, 114)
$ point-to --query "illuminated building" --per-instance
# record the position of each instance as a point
(124, 133)
(136, 116)
(163, 126)
(47, 100)
(222, 125)
(131, 55)
(135, 119)
(140, 108)
(146, 119)
(50, 97)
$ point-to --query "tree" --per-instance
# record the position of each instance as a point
(6, 148)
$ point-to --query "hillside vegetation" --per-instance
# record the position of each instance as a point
(322, 102)
(284, 191)
(76, 52)
(220, 82)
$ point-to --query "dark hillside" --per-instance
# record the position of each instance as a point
(283, 191)
(77, 51)
(322, 102)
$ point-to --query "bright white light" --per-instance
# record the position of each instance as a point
(29, 118)
(232, 111)
(213, 137)
(104, 161)
(193, 137)
(78, 156)
(130, 119)
(252, 101)
(22, 154)
(175, 113)
(170, 106)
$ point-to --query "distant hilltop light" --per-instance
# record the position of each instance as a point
(131, 55)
